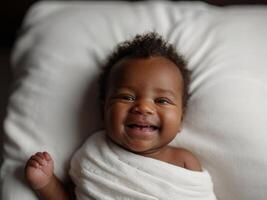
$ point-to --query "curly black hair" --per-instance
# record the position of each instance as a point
(145, 46)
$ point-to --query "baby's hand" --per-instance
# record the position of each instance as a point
(39, 170)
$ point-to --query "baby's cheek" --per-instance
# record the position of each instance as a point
(115, 116)
(173, 119)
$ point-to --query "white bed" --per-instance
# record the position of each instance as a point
(56, 61)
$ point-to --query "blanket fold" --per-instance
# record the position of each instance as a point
(102, 170)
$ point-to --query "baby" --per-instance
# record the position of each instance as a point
(143, 92)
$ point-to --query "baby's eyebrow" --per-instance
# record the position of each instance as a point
(165, 91)
(124, 88)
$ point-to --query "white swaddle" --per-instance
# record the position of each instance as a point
(102, 170)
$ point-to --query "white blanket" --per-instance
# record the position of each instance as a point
(102, 170)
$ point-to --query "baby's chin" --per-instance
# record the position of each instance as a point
(139, 147)
(136, 144)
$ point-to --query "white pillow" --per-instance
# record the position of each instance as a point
(56, 62)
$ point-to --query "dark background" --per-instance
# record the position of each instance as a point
(11, 16)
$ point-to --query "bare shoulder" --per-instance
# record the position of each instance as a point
(190, 160)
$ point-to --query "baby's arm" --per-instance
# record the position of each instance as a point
(39, 173)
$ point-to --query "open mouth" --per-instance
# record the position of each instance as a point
(142, 131)
(143, 127)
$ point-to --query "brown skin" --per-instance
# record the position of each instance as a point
(39, 172)
(144, 93)
(143, 114)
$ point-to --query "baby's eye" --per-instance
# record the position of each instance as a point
(162, 101)
(127, 97)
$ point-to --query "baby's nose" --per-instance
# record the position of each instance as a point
(143, 107)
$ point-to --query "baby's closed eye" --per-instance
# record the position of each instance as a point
(163, 101)
(125, 97)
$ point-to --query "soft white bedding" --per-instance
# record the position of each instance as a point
(56, 62)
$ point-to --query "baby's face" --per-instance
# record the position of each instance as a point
(143, 107)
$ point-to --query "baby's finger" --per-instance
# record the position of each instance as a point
(47, 156)
(38, 159)
(33, 163)
(40, 155)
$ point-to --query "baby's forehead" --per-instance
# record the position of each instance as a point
(152, 70)
(158, 63)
